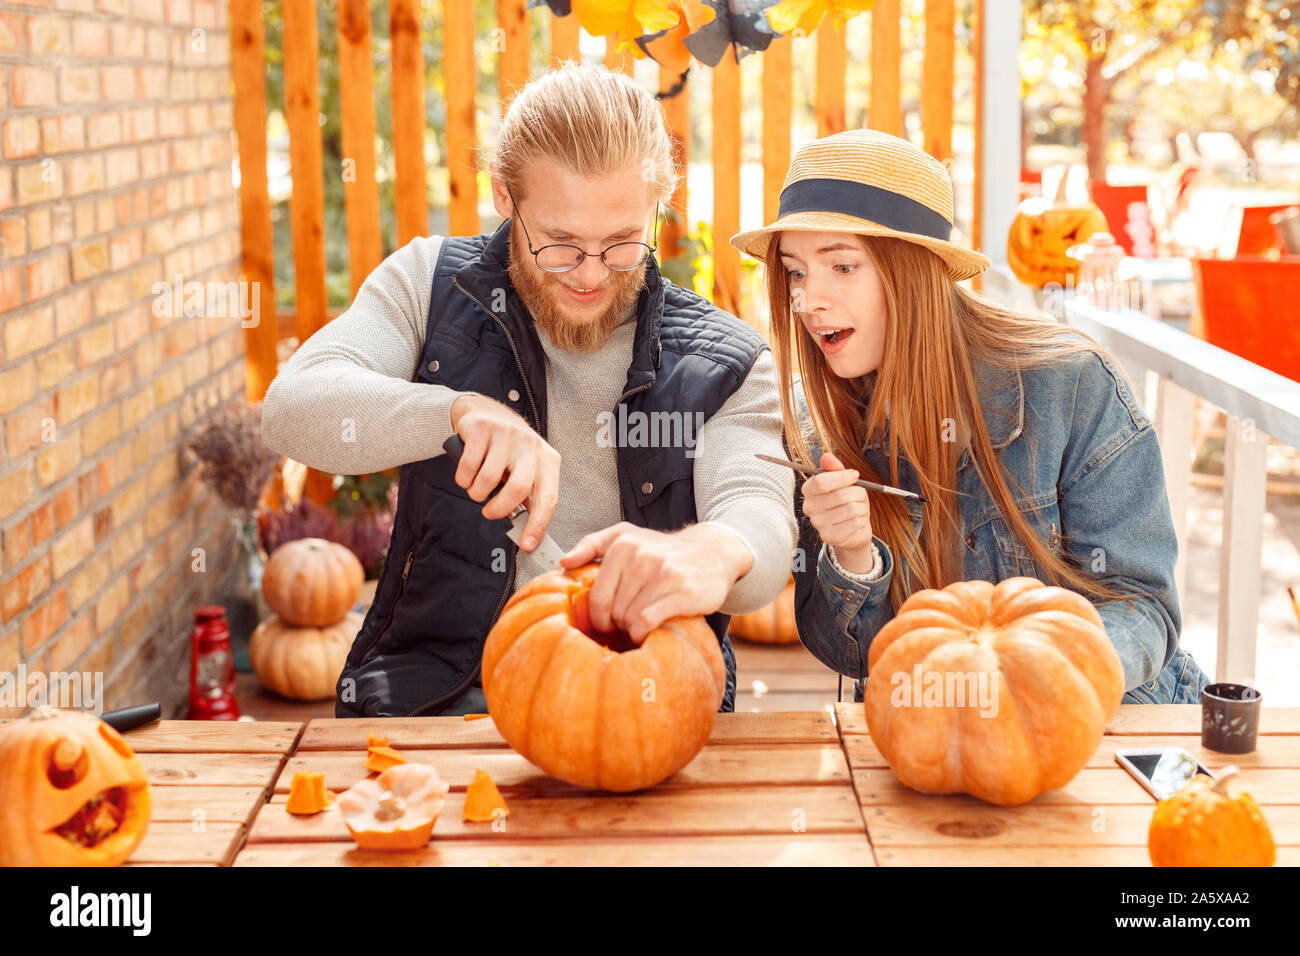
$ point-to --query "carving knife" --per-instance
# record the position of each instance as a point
(547, 551)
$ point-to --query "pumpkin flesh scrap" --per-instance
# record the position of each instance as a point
(307, 794)
(379, 759)
(483, 801)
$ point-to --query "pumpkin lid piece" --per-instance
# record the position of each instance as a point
(396, 810)
(483, 801)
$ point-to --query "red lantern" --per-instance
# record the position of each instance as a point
(212, 667)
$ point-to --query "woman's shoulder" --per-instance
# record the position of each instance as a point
(1086, 381)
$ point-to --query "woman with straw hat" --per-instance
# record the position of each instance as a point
(1022, 435)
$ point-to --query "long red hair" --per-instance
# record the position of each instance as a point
(934, 331)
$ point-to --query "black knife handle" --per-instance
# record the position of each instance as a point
(130, 718)
(454, 448)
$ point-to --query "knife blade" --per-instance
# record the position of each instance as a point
(547, 551)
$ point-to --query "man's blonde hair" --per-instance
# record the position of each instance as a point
(591, 120)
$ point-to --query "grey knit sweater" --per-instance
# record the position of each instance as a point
(346, 403)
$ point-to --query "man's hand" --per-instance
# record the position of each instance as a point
(648, 576)
(499, 442)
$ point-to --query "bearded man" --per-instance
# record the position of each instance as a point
(623, 411)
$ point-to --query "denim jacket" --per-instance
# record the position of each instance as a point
(1081, 447)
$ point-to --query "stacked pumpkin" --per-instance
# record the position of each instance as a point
(311, 584)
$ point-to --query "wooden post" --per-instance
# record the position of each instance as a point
(564, 39)
(1244, 477)
(615, 60)
(832, 59)
(462, 137)
(677, 113)
(408, 119)
(257, 245)
(997, 133)
(514, 43)
(886, 63)
(357, 101)
(937, 79)
(778, 68)
(726, 182)
(307, 202)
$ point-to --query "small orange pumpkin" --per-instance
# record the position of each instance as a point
(1000, 691)
(773, 624)
(483, 801)
(396, 810)
(302, 663)
(594, 709)
(1207, 824)
(307, 793)
(312, 582)
(73, 792)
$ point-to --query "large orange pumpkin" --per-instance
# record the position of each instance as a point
(591, 708)
(1207, 824)
(73, 792)
(302, 663)
(773, 624)
(1000, 691)
(1040, 235)
(312, 582)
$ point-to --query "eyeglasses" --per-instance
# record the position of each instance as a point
(561, 257)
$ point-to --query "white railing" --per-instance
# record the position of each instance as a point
(1258, 404)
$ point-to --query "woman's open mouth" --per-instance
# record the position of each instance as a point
(831, 340)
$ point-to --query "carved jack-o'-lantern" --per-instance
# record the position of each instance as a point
(73, 792)
(1041, 235)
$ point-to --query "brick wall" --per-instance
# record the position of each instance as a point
(116, 135)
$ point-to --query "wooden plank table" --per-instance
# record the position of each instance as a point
(769, 788)
(1099, 819)
(206, 781)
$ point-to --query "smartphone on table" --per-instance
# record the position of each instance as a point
(1162, 771)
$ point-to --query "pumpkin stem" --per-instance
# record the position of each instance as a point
(1220, 782)
(391, 806)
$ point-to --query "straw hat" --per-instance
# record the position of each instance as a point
(866, 182)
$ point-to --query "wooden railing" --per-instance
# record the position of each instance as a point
(302, 109)
(1258, 403)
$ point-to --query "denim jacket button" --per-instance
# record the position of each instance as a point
(970, 541)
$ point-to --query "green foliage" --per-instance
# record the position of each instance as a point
(359, 494)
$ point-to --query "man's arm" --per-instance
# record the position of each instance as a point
(346, 401)
(738, 495)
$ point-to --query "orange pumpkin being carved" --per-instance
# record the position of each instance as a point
(773, 624)
(1000, 691)
(593, 709)
(312, 582)
(73, 792)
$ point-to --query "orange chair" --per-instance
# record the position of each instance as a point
(1258, 236)
(1248, 308)
(1127, 211)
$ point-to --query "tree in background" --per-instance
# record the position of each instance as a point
(1111, 39)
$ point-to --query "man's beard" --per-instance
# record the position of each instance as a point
(539, 292)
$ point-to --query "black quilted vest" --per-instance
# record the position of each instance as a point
(450, 570)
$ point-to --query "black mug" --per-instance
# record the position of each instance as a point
(1229, 718)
